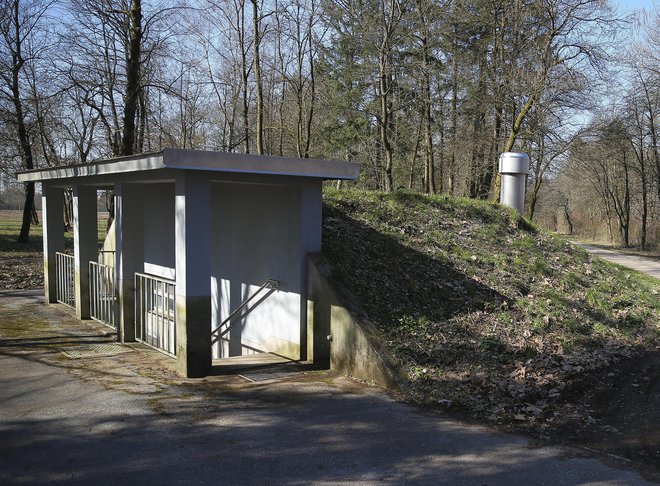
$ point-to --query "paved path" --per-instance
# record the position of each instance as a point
(125, 419)
(645, 265)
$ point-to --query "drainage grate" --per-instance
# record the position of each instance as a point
(268, 374)
(94, 350)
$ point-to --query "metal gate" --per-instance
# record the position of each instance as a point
(155, 313)
(65, 286)
(102, 294)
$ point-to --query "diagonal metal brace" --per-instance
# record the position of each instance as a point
(269, 284)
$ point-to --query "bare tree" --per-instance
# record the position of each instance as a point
(19, 30)
(258, 33)
(424, 11)
(557, 46)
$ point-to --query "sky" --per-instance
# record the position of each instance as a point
(635, 4)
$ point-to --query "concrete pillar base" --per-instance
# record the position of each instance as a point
(193, 353)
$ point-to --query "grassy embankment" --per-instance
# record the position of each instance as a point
(486, 313)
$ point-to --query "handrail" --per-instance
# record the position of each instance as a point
(107, 255)
(269, 284)
(154, 277)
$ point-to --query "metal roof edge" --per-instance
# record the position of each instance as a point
(187, 159)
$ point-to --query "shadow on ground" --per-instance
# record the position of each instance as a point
(127, 419)
(300, 434)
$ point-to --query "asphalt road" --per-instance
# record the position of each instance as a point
(645, 265)
(125, 419)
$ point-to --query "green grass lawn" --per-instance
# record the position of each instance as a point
(10, 227)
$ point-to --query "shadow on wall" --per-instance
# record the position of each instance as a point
(393, 280)
(340, 336)
(256, 237)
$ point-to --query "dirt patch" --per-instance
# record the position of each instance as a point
(21, 270)
(618, 411)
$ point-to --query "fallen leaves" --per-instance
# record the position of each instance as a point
(21, 271)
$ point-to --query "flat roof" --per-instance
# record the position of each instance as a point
(184, 159)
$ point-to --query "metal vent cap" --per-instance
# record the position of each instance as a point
(514, 163)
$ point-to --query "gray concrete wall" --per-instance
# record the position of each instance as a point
(257, 236)
(339, 335)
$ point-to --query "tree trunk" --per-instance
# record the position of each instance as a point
(567, 215)
(538, 180)
(515, 130)
(143, 121)
(257, 78)
(312, 85)
(23, 139)
(383, 94)
(653, 129)
(240, 14)
(641, 171)
(428, 135)
(132, 78)
(413, 162)
(68, 209)
(24, 235)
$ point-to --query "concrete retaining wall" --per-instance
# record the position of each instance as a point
(340, 336)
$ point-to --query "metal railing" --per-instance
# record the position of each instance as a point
(104, 258)
(155, 313)
(218, 333)
(65, 284)
(102, 294)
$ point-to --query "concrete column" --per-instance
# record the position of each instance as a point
(311, 223)
(514, 168)
(129, 253)
(311, 218)
(193, 274)
(85, 244)
(52, 216)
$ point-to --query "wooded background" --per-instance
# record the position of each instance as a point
(423, 94)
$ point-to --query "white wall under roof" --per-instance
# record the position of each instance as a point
(159, 258)
(257, 236)
(258, 232)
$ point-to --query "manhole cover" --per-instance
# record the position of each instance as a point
(94, 350)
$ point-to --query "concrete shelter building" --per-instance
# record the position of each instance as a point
(210, 250)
